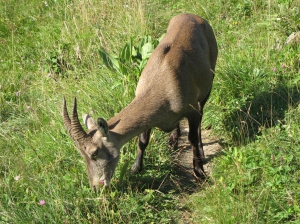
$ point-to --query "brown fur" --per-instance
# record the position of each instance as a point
(175, 83)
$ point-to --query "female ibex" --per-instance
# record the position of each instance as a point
(175, 83)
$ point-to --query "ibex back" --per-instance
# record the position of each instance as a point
(175, 83)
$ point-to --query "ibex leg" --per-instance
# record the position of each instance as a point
(143, 142)
(196, 139)
(173, 140)
(201, 106)
(196, 144)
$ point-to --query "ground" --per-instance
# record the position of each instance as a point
(183, 161)
(181, 178)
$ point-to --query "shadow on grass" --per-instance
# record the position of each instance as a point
(266, 110)
(175, 176)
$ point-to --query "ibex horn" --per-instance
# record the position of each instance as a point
(73, 125)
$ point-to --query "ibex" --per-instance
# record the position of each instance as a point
(175, 83)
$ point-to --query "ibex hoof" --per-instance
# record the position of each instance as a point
(135, 169)
(173, 142)
(199, 174)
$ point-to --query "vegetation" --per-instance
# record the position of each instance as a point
(50, 49)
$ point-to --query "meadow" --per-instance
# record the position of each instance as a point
(53, 49)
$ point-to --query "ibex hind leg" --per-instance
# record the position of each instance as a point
(196, 143)
(195, 139)
(173, 140)
(142, 144)
(201, 106)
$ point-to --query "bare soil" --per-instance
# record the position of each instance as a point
(182, 179)
(184, 157)
(183, 160)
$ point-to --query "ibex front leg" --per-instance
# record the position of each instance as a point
(143, 142)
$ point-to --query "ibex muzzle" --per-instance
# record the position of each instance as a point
(175, 83)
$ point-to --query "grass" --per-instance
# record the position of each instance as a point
(50, 49)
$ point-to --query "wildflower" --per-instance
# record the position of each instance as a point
(17, 177)
(42, 202)
(283, 65)
(28, 108)
(18, 93)
(273, 69)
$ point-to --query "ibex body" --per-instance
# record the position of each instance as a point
(175, 83)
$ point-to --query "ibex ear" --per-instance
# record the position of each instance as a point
(88, 121)
(102, 126)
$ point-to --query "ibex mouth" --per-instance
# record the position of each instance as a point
(102, 182)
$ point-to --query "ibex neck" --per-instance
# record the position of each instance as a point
(131, 121)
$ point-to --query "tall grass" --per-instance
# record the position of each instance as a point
(49, 49)
(257, 95)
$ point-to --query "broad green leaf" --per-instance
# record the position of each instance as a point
(145, 40)
(155, 43)
(126, 52)
(134, 52)
(142, 65)
(122, 68)
(109, 60)
(146, 50)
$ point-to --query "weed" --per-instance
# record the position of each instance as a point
(50, 49)
(131, 60)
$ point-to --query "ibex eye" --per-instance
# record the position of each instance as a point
(94, 155)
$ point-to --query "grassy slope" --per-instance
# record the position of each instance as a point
(254, 90)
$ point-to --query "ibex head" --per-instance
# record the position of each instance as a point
(100, 154)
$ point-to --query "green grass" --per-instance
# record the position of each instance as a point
(50, 49)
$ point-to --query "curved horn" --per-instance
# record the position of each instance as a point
(76, 129)
(66, 118)
(72, 124)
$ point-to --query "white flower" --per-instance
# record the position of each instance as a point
(17, 177)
